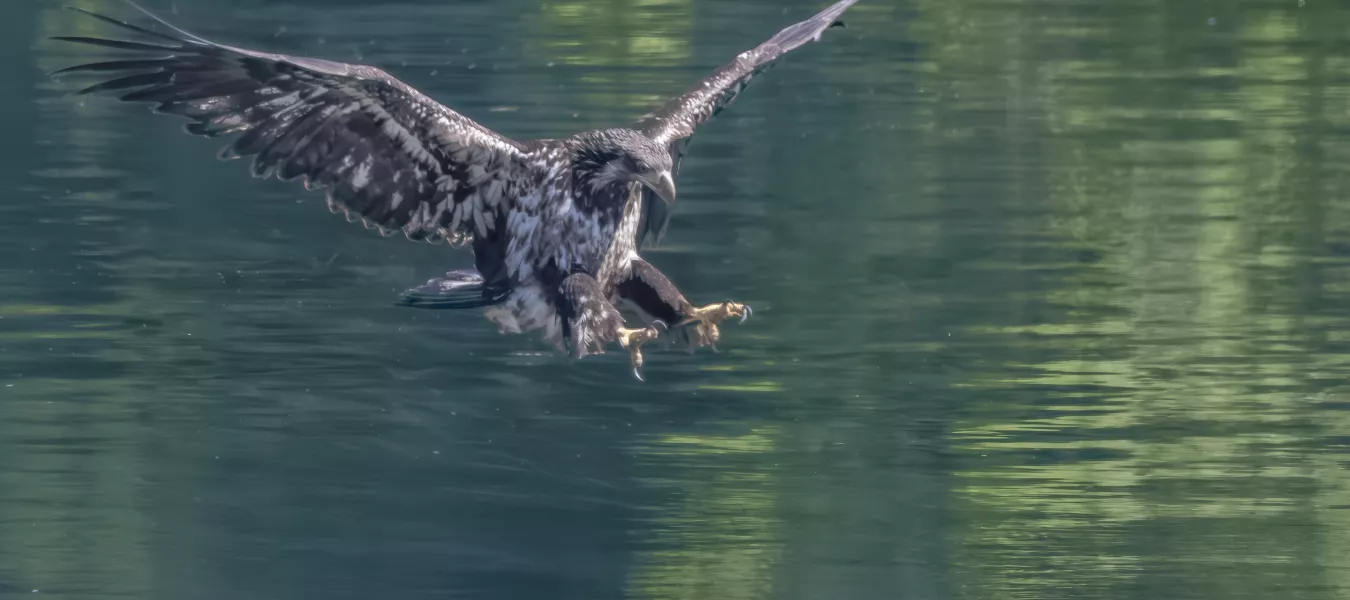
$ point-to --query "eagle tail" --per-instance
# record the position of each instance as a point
(455, 290)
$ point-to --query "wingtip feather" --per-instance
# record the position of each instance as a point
(117, 44)
(191, 37)
(125, 25)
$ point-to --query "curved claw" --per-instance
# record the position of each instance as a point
(749, 312)
(633, 339)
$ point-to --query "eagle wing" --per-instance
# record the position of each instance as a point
(674, 123)
(382, 151)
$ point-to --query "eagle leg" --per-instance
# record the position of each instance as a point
(654, 294)
(592, 321)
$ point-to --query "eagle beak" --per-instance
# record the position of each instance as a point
(663, 185)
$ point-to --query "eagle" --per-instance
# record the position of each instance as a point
(555, 225)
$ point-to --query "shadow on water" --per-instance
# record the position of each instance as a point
(1049, 295)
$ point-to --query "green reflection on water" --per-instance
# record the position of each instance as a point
(1057, 311)
(722, 536)
(1175, 428)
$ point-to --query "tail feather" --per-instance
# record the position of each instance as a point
(455, 290)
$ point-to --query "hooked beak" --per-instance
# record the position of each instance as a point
(663, 185)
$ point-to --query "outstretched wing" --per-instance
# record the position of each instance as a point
(382, 151)
(675, 122)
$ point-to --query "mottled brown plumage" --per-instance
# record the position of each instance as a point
(555, 224)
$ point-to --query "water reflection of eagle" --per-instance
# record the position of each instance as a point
(555, 224)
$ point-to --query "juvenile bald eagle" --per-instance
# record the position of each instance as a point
(555, 224)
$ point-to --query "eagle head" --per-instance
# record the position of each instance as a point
(624, 156)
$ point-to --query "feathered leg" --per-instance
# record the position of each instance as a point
(591, 321)
(653, 293)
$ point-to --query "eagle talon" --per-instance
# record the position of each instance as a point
(632, 340)
(714, 314)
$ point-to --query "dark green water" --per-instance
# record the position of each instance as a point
(1052, 299)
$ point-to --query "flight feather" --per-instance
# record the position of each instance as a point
(384, 153)
(676, 121)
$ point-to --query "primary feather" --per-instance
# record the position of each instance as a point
(381, 150)
(674, 123)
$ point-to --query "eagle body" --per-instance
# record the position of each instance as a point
(555, 225)
(570, 223)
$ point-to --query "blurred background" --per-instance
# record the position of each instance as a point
(1051, 302)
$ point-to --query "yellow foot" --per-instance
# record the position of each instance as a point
(705, 334)
(632, 341)
(706, 320)
(714, 314)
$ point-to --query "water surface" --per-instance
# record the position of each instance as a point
(1050, 303)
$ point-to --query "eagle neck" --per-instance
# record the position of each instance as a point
(596, 188)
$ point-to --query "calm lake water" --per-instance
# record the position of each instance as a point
(1052, 301)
